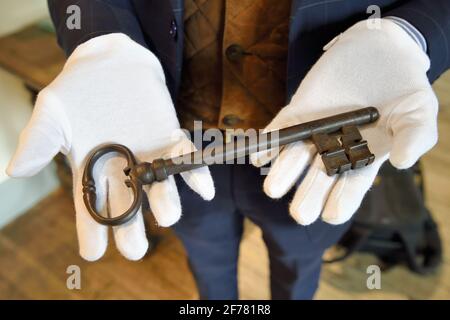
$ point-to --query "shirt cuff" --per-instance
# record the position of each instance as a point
(411, 30)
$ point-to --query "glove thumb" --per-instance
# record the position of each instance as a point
(43, 137)
(414, 132)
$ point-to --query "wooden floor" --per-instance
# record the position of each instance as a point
(37, 248)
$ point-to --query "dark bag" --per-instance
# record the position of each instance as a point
(394, 224)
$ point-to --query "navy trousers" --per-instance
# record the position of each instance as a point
(211, 233)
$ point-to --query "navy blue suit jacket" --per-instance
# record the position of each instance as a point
(158, 25)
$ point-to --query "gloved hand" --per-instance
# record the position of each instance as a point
(361, 67)
(110, 90)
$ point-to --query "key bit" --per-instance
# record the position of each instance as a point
(356, 148)
(333, 154)
(340, 154)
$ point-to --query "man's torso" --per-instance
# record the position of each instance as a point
(234, 64)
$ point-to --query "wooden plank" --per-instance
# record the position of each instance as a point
(33, 55)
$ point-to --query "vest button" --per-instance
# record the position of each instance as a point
(231, 120)
(234, 52)
(173, 29)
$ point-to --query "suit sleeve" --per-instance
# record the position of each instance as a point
(432, 19)
(97, 17)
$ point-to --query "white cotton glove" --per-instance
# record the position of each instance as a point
(361, 67)
(110, 90)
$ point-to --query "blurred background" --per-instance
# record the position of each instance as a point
(37, 230)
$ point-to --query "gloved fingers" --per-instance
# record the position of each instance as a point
(348, 193)
(312, 193)
(164, 201)
(410, 144)
(201, 182)
(200, 179)
(261, 158)
(92, 236)
(130, 238)
(283, 119)
(414, 131)
(45, 135)
(287, 168)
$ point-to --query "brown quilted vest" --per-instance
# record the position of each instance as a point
(234, 71)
